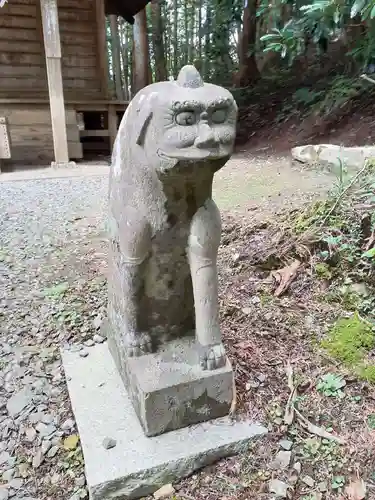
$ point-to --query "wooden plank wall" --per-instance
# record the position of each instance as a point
(31, 133)
(79, 46)
(22, 62)
(22, 59)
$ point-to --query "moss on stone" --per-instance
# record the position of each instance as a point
(349, 341)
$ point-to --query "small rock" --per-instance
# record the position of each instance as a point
(285, 444)
(34, 418)
(297, 467)
(89, 343)
(23, 469)
(97, 322)
(164, 492)
(53, 452)
(109, 443)
(19, 401)
(47, 418)
(281, 460)
(38, 459)
(4, 494)
(8, 475)
(83, 353)
(16, 483)
(68, 424)
(252, 384)
(45, 430)
(81, 481)
(322, 487)
(98, 339)
(278, 487)
(55, 478)
(30, 434)
(308, 480)
(247, 310)
(261, 377)
(46, 445)
(4, 457)
(255, 300)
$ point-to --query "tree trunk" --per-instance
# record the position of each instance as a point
(157, 40)
(140, 52)
(191, 54)
(125, 57)
(248, 70)
(199, 31)
(187, 48)
(175, 39)
(116, 57)
(207, 41)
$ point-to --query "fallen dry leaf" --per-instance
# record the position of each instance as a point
(285, 276)
(71, 442)
(356, 490)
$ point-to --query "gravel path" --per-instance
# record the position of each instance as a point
(52, 292)
(45, 226)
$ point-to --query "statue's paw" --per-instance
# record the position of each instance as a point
(213, 357)
(139, 344)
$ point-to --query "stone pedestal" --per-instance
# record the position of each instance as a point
(169, 389)
(138, 465)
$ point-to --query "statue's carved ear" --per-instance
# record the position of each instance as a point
(144, 116)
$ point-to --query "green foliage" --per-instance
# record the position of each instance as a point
(331, 385)
(371, 421)
(320, 22)
(286, 41)
(323, 271)
(349, 340)
(341, 90)
(337, 482)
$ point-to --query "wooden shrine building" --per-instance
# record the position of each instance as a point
(54, 79)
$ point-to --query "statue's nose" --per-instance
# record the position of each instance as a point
(206, 137)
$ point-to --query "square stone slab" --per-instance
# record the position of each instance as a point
(138, 465)
(170, 390)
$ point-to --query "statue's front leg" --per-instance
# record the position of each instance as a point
(204, 240)
(134, 247)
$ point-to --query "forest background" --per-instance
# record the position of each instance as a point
(291, 63)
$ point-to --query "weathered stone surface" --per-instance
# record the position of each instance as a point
(173, 390)
(329, 154)
(138, 465)
(164, 231)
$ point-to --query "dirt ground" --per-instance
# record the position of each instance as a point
(271, 341)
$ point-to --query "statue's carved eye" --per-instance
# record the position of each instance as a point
(186, 118)
(219, 115)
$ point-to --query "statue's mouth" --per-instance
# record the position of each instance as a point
(192, 153)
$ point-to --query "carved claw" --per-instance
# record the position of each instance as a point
(138, 344)
(213, 357)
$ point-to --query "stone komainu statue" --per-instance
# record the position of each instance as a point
(164, 226)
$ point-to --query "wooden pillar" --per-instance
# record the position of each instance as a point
(102, 47)
(52, 47)
(116, 57)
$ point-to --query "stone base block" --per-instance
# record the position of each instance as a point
(138, 465)
(169, 389)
